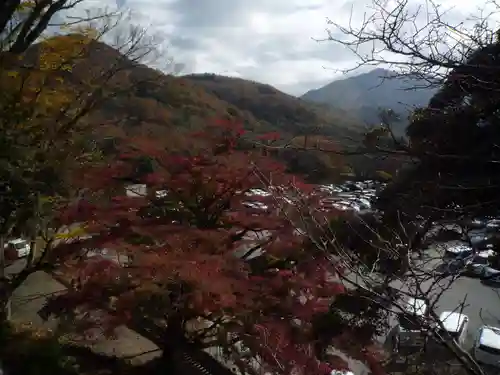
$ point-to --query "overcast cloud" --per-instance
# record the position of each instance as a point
(270, 41)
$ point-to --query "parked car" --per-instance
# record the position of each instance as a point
(489, 272)
(477, 237)
(107, 254)
(255, 205)
(455, 325)
(408, 331)
(457, 250)
(484, 242)
(475, 265)
(486, 349)
(17, 248)
(492, 281)
(450, 267)
(477, 223)
(490, 276)
(363, 203)
(493, 224)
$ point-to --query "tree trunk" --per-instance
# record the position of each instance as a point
(5, 305)
(168, 360)
(5, 302)
(6, 313)
(2, 257)
(32, 254)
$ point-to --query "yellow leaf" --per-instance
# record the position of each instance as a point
(26, 5)
(47, 199)
(73, 233)
(384, 175)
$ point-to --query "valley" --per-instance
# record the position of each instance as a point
(217, 216)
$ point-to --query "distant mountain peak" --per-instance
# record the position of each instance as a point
(380, 71)
(366, 94)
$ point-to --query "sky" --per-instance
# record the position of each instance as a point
(270, 41)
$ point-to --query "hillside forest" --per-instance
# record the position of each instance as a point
(199, 211)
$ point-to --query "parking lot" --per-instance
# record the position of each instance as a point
(480, 303)
(466, 295)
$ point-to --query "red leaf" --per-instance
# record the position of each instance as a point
(274, 136)
(209, 249)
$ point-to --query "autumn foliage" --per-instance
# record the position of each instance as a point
(202, 245)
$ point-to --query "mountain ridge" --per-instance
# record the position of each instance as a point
(275, 106)
(364, 95)
(145, 102)
(148, 103)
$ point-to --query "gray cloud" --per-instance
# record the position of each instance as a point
(267, 41)
(262, 40)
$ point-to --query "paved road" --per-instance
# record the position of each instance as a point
(32, 295)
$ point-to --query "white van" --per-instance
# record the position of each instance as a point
(19, 246)
(341, 372)
(409, 331)
(455, 324)
(487, 346)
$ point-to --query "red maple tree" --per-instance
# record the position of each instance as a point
(202, 245)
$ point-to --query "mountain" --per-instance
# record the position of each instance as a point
(364, 95)
(150, 101)
(275, 110)
(169, 108)
(147, 102)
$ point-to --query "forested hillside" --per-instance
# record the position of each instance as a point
(147, 102)
(277, 110)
